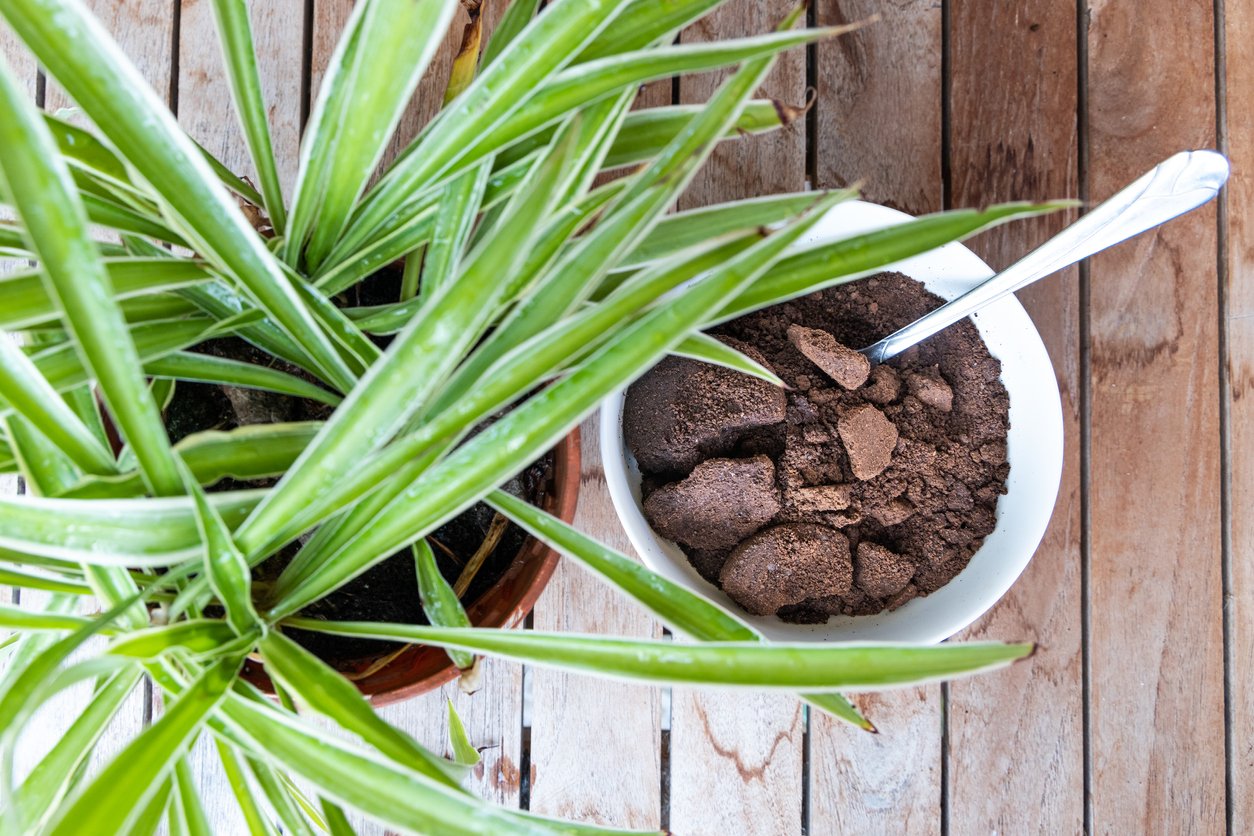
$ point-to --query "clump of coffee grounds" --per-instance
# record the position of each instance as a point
(853, 491)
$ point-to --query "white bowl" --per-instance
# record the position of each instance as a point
(1034, 450)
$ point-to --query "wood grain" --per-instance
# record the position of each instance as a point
(1239, 325)
(736, 758)
(493, 719)
(1013, 136)
(204, 94)
(594, 742)
(880, 88)
(1156, 663)
(885, 783)
(144, 29)
(757, 165)
(878, 115)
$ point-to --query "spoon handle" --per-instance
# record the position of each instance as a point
(1176, 185)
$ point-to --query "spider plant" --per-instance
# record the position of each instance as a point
(528, 284)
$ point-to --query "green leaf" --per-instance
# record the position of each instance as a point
(26, 580)
(380, 788)
(84, 152)
(454, 219)
(229, 573)
(236, 37)
(116, 216)
(582, 268)
(707, 349)
(113, 800)
(139, 125)
(371, 77)
(390, 392)
(25, 390)
(320, 688)
(205, 368)
(28, 303)
(245, 795)
(517, 15)
(29, 685)
(248, 453)
(673, 604)
(403, 239)
(645, 23)
(41, 188)
(646, 132)
(337, 823)
(464, 751)
(15, 618)
(291, 817)
(545, 46)
(825, 265)
(149, 818)
(538, 423)
(791, 666)
(587, 82)
(52, 777)
(199, 635)
(439, 602)
(681, 230)
(190, 813)
(113, 532)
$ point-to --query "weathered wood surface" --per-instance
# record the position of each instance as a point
(205, 109)
(1237, 325)
(590, 734)
(1155, 357)
(1014, 135)
(736, 759)
(1155, 655)
(887, 77)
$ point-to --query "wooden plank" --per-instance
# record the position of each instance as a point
(1156, 662)
(594, 743)
(1239, 326)
(878, 119)
(764, 164)
(736, 758)
(884, 79)
(878, 783)
(1013, 136)
(572, 764)
(144, 29)
(206, 111)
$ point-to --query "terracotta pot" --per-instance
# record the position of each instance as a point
(418, 669)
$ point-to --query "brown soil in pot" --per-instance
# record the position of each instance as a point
(389, 591)
(852, 492)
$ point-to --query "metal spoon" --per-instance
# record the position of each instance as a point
(1176, 185)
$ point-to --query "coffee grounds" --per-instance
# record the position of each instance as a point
(904, 470)
(708, 409)
(719, 504)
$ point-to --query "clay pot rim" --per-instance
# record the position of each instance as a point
(418, 669)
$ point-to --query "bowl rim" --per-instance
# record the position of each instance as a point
(1035, 449)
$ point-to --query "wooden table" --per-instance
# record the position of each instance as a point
(1133, 717)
